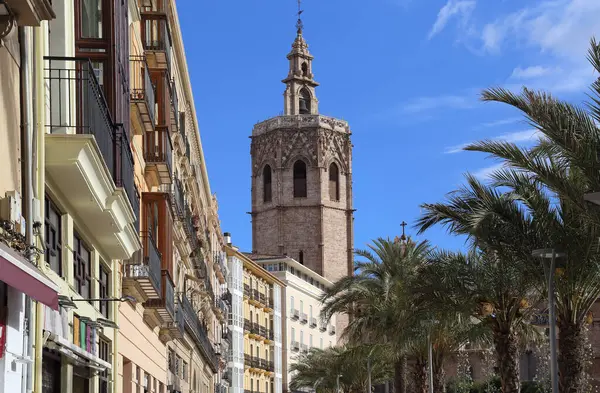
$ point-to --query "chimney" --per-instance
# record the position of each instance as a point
(227, 236)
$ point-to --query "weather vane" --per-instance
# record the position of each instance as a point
(299, 24)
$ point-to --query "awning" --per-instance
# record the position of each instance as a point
(76, 353)
(19, 273)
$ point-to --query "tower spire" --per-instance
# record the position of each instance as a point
(299, 24)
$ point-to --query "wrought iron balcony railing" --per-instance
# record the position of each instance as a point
(174, 106)
(151, 263)
(227, 297)
(200, 334)
(247, 290)
(313, 322)
(156, 38)
(142, 89)
(247, 325)
(124, 173)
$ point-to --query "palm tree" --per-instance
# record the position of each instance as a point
(528, 216)
(319, 369)
(557, 173)
(492, 292)
(377, 298)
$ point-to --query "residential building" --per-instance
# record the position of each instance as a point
(255, 362)
(302, 178)
(22, 282)
(302, 326)
(171, 338)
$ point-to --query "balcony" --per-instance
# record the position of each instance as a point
(271, 366)
(158, 154)
(188, 225)
(221, 307)
(88, 157)
(208, 289)
(270, 335)
(143, 96)
(263, 364)
(295, 346)
(219, 266)
(255, 362)
(304, 348)
(174, 107)
(220, 388)
(295, 315)
(255, 328)
(331, 330)
(162, 310)
(174, 330)
(227, 297)
(262, 331)
(247, 359)
(141, 273)
(156, 36)
(175, 192)
(303, 318)
(313, 322)
(227, 376)
(322, 328)
(200, 334)
(247, 326)
(247, 291)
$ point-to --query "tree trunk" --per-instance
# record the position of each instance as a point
(439, 377)
(400, 375)
(420, 376)
(507, 351)
(571, 357)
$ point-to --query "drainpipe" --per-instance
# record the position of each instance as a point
(39, 42)
(26, 189)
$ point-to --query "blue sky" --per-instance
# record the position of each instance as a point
(406, 75)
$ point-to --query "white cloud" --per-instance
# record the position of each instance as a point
(517, 137)
(502, 122)
(422, 104)
(453, 8)
(532, 72)
(487, 172)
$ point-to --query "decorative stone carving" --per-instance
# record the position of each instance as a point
(301, 121)
(264, 147)
(334, 145)
(300, 143)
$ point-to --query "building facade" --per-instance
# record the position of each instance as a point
(301, 307)
(255, 362)
(302, 178)
(112, 270)
(24, 288)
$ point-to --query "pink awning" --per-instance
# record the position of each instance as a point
(21, 274)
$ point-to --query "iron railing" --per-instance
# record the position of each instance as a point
(142, 88)
(174, 106)
(200, 333)
(227, 297)
(124, 173)
(209, 288)
(156, 35)
(169, 293)
(176, 197)
(247, 325)
(247, 290)
(152, 261)
(158, 148)
(313, 322)
(78, 105)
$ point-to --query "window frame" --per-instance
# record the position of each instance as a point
(104, 289)
(267, 185)
(57, 241)
(80, 264)
(300, 179)
(334, 171)
(104, 350)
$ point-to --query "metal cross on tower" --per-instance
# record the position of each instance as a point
(403, 225)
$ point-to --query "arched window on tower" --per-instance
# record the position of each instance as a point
(304, 69)
(267, 193)
(304, 101)
(334, 182)
(299, 179)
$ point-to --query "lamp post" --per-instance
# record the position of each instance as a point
(551, 254)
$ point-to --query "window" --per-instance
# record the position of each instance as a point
(304, 69)
(292, 303)
(171, 361)
(301, 257)
(53, 236)
(301, 337)
(310, 311)
(177, 363)
(267, 193)
(91, 18)
(266, 386)
(81, 267)
(251, 384)
(184, 371)
(293, 334)
(304, 102)
(103, 285)
(301, 306)
(310, 341)
(334, 182)
(299, 179)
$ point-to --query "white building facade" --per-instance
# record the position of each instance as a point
(301, 306)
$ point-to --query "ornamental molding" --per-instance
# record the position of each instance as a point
(301, 121)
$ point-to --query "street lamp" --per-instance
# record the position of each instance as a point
(551, 255)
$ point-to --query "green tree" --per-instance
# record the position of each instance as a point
(377, 298)
(319, 369)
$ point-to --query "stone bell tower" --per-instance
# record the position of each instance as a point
(302, 178)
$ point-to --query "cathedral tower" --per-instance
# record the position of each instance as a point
(302, 178)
